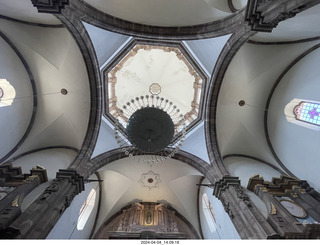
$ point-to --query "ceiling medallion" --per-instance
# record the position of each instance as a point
(155, 89)
(150, 180)
(153, 122)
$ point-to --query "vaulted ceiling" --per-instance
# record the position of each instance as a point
(40, 58)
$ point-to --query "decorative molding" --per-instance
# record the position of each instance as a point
(16, 186)
(156, 219)
(31, 23)
(14, 174)
(224, 184)
(308, 189)
(310, 39)
(264, 15)
(50, 6)
(73, 177)
(273, 209)
(93, 16)
(226, 206)
(150, 180)
(242, 195)
(311, 231)
(62, 176)
(278, 186)
(101, 160)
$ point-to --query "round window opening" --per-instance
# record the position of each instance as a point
(150, 180)
(1, 93)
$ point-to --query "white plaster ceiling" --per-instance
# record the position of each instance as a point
(250, 77)
(176, 186)
(165, 12)
(303, 25)
(297, 146)
(14, 118)
(55, 62)
(24, 10)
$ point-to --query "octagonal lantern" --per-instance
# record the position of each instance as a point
(165, 70)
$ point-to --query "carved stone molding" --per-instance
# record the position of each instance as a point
(264, 15)
(278, 186)
(14, 177)
(14, 186)
(40, 217)
(146, 220)
(224, 184)
(73, 177)
(50, 6)
(242, 195)
(305, 185)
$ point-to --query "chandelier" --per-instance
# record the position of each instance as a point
(153, 129)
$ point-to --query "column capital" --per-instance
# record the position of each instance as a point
(264, 15)
(50, 6)
(73, 177)
(224, 184)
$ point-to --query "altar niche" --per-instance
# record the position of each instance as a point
(139, 219)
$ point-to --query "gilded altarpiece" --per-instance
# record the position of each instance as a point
(156, 220)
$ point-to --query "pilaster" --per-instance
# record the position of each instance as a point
(14, 186)
(300, 219)
(40, 217)
(50, 6)
(246, 218)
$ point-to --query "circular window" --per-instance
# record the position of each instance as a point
(1, 93)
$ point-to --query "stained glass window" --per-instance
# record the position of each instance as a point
(308, 112)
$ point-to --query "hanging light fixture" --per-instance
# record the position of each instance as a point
(150, 124)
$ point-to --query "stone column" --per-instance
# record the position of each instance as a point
(246, 218)
(15, 186)
(282, 219)
(40, 217)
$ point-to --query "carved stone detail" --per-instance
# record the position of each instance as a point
(50, 6)
(280, 218)
(273, 209)
(306, 188)
(40, 217)
(14, 176)
(242, 195)
(264, 15)
(224, 184)
(16, 186)
(278, 186)
(154, 219)
(226, 206)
